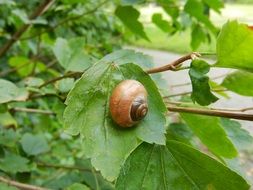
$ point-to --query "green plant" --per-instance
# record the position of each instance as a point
(56, 129)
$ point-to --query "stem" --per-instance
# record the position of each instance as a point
(64, 167)
(189, 92)
(15, 37)
(189, 83)
(173, 66)
(30, 110)
(19, 185)
(213, 112)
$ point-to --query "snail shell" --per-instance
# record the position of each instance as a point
(128, 103)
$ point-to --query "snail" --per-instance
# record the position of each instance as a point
(128, 103)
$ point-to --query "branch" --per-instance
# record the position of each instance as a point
(30, 110)
(212, 112)
(39, 11)
(174, 65)
(66, 20)
(19, 185)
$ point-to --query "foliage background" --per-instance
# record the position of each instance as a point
(42, 67)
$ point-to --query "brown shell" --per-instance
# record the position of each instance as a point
(128, 103)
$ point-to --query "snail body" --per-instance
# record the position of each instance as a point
(128, 103)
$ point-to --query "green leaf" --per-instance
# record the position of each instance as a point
(71, 54)
(34, 144)
(198, 36)
(23, 65)
(34, 81)
(239, 136)
(179, 132)
(87, 113)
(7, 120)
(129, 16)
(239, 82)
(176, 167)
(215, 4)
(170, 7)
(65, 85)
(200, 87)
(211, 133)
(77, 186)
(196, 9)
(161, 23)
(234, 46)
(10, 92)
(8, 137)
(14, 163)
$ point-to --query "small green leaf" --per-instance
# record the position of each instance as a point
(8, 137)
(103, 141)
(71, 55)
(171, 7)
(34, 81)
(7, 120)
(10, 92)
(23, 65)
(239, 82)
(239, 136)
(198, 36)
(210, 132)
(196, 9)
(65, 85)
(176, 167)
(34, 144)
(161, 23)
(129, 16)
(234, 46)
(14, 163)
(216, 5)
(200, 87)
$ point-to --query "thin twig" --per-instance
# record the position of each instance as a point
(39, 11)
(19, 185)
(66, 20)
(37, 96)
(189, 83)
(174, 65)
(30, 110)
(63, 167)
(189, 92)
(67, 75)
(213, 112)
